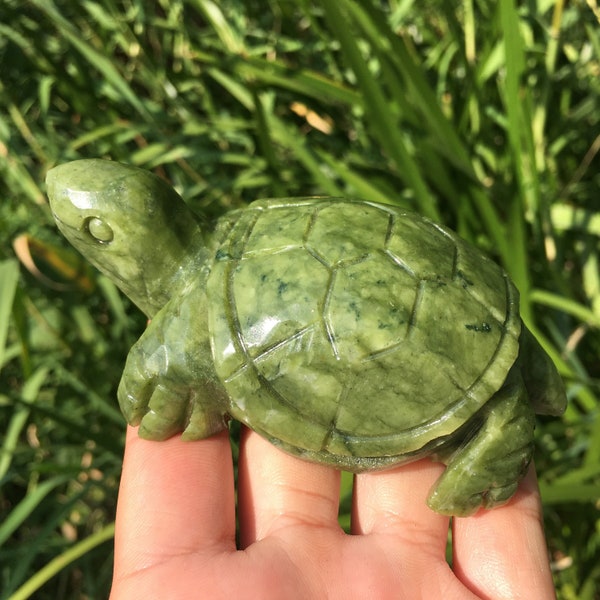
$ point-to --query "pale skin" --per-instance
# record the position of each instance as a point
(175, 531)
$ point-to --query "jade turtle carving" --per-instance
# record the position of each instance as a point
(345, 332)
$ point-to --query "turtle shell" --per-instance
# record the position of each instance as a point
(356, 333)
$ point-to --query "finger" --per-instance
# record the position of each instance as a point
(390, 510)
(395, 498)
(277, 490)
(501, 553)
(175, 498)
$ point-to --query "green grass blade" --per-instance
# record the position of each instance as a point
(288, 138)
(59, 563)
(303, 81)
(392, 46)
(30, 502)
(17, 176)
(559, 494)
(519, 135)
(381, 117)
(357, 183)
(571, 218)
(230, 38)
(9, 277)
(95, 58)
(571, 307)
(19, 418)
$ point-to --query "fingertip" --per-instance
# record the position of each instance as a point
(502, 552)
(174, 497)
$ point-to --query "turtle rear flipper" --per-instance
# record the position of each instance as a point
(486, 470)
(544, 385)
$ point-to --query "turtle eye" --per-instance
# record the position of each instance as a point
(100, 230)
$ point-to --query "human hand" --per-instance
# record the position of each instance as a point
(175, 532)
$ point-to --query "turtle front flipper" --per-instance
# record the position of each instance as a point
(485, 470)
(169, 385)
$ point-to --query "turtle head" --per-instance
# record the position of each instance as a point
(128, 223)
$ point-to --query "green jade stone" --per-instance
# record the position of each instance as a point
(350, 333)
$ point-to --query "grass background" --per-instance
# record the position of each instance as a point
(482, 115)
